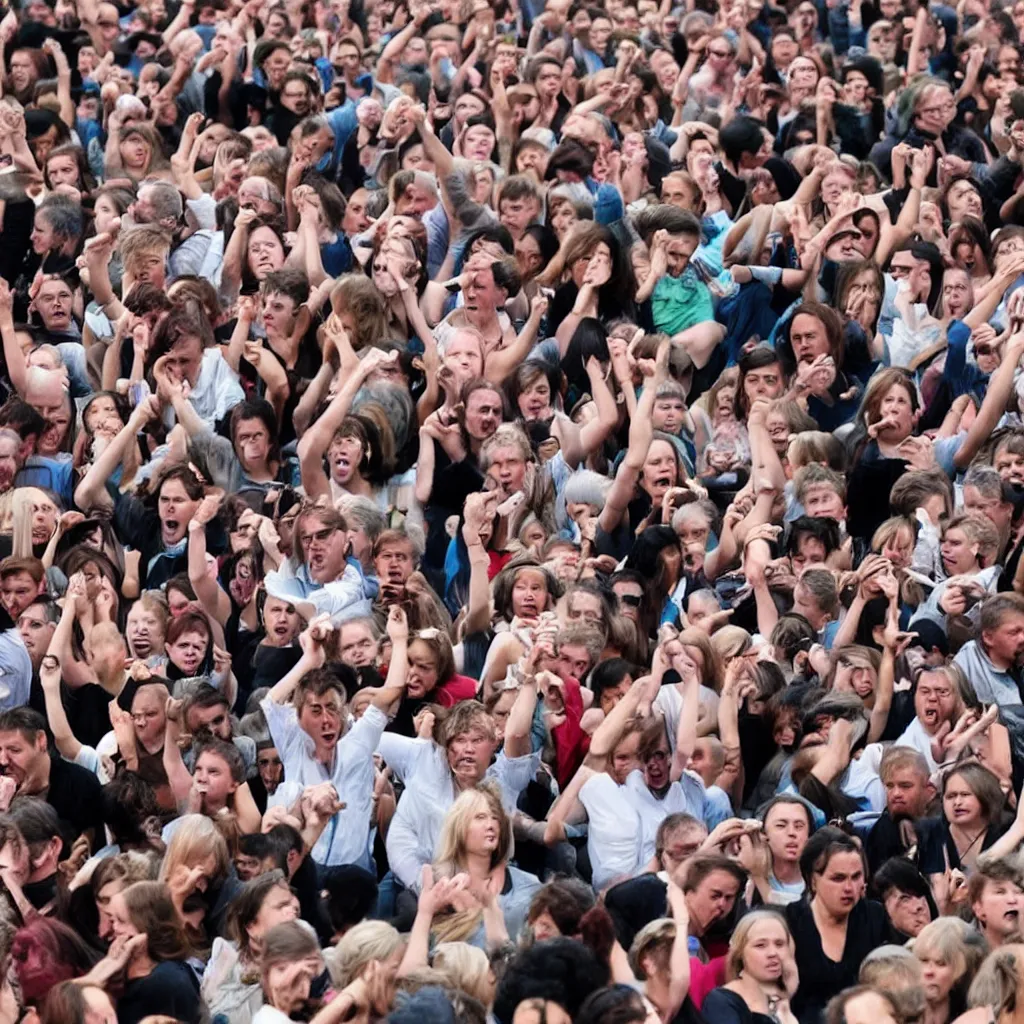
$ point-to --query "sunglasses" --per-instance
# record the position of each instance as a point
(632, 600)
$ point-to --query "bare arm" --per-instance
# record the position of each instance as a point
(215, 602)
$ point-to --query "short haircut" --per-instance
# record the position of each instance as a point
(33, 567)
(164, 198)
(227, 752)
(1000, 869)
(994, 610)
(516, 187)
(701, 866)
(814, 474)
(913, 489)
(143, 240)
(899, 759)
(64, 216)
(822, 586)
(979, 530)
(565, 901)
(288, 281)
(24, 720)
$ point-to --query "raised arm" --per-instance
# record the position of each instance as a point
(178, 775)
(91, 491)
(1000, 386)
(64, 739)
(314, 443)
(641, 431)
(501, 362)
(216, 603)
(479, 510)
(313, 657)
(520, 718)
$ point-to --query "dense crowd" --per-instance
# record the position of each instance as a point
(511, 511)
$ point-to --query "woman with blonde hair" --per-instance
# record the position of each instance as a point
(995, 995)
(195, 869)
(760, 971)
(35, 521)
(950, 952)
(476, 843)
(469, 969)
(359, 947)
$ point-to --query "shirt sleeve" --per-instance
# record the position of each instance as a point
(401, 753)
(286, 732)
(367, 732)
(514, 774)
(946, 449)
(402, 844)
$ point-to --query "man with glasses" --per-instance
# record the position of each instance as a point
(329, 579)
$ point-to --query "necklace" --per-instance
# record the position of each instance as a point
(967, 849)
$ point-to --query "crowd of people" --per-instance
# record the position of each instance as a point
(526, 531)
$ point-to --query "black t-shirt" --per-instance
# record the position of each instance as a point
(88, 711)
(935, 844)
(171, 988)
(723, 1006)
(76, 795)
(820, 977)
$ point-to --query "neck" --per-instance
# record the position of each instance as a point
(786, 870)
(357, 485)
(656, 989)
(992, 937)
(999, 662)
(141, 966)
(114, 684)
(825, 917)
(937, 1013)
(478, 866)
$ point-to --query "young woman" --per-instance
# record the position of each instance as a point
(229, 983)
(834, 927)
(477, 840)
(151, 948)
(761, 972)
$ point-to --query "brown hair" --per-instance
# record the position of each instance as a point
(153, 913)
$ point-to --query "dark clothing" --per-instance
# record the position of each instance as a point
(961, 142)
(883, 841)
(88, 711)
(76, 795)
(935, 845)
(171, 987)
(820, 977)
(724, 1007)
(138, 525)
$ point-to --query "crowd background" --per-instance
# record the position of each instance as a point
(511, 511)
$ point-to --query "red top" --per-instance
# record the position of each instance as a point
(457, 688)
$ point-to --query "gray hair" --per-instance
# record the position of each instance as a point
(585, 487)
(986, 480)
(63, 215)
(165, 199)
(363, 512)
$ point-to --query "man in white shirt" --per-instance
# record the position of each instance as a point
(435, 773)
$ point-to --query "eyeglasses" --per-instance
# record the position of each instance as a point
(321, 536)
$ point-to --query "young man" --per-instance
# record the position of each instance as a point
(435, 773)
(908, 792)
(995, 894)
(28, 769)
(316, 743)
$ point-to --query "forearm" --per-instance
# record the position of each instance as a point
(17, 368)
(686, 731)
(478, 612)
(177, 774)
(186, 415)
(847, 632)
(417, 948)
(520, 720)
(883, 696)
(281, 692)
(554, 830)
(63, 737)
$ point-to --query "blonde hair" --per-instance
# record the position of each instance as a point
(451, 847)
(23, 504)
(741, 936)
(452, 853)
(359, 946)
(195, 838)
(467, 966)
(949, 938)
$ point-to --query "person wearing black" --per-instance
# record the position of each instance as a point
(72, 791)
(834, 927)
